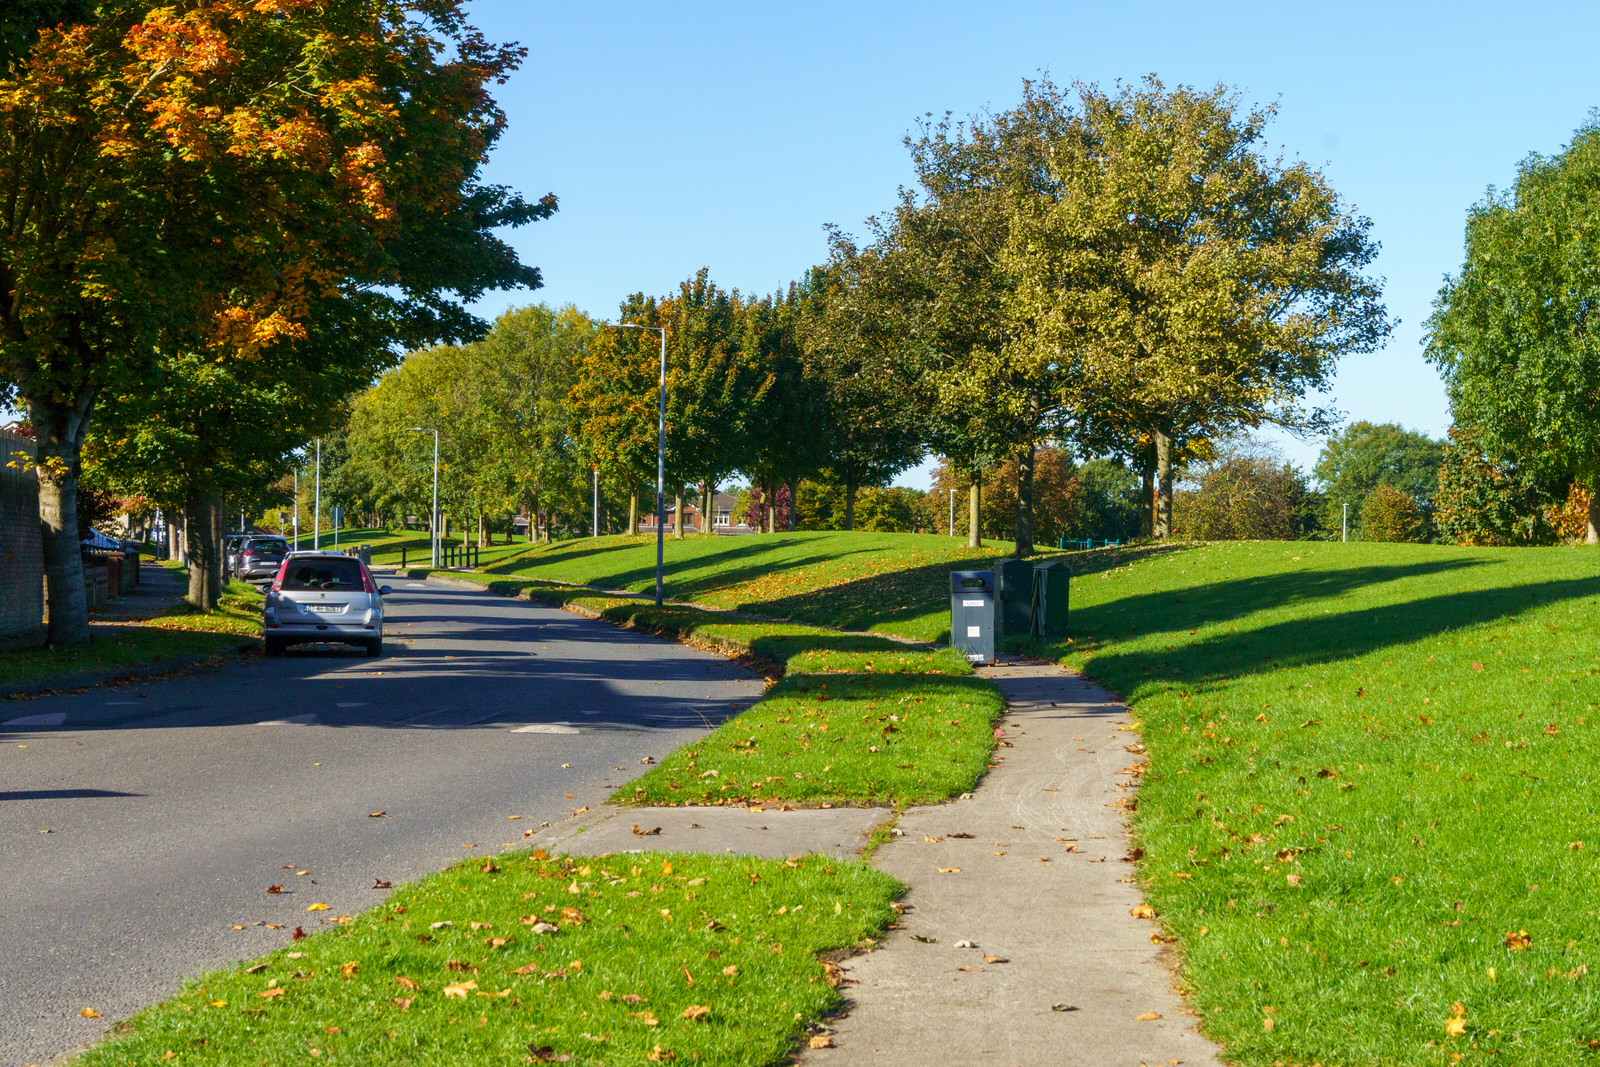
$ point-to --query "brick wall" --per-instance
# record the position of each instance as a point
(21, 549)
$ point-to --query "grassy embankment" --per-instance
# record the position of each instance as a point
(179, 632)
(1370, 794)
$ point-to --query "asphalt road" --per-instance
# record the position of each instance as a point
(139, 823)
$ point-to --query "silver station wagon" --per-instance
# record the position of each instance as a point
(323, 596)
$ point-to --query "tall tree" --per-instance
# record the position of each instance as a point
(1365, 455)
(1192, 285)
(616, 385)
(218, 178)
(872, 429)
(1514, 333)
(786, 439)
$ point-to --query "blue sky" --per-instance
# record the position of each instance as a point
(680, 135)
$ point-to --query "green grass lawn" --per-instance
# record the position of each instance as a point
(1369, 798)
(181, 632)
(893, 738)
(889, 583)
(623, 959)
(387, 545)
(1371, 793)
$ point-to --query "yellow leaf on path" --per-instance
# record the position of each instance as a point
(820, 1041)
(316, 907)
(88, 1013)
(1148, 1016)
(949, 870)
(460, 989)
(1142, 911)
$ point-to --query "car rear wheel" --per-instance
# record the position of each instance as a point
(375, 647)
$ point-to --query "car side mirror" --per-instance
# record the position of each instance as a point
(384, 590)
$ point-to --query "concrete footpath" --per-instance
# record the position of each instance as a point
(1018, 944)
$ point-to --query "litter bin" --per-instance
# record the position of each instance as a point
(972, 614)
(1051, 590)
(1015, 597)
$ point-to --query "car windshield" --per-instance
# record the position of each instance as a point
(267, 542)
(334, 575)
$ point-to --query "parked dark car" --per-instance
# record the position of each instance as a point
(231, 543)
(259, 558)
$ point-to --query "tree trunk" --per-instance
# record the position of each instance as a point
(1163, 512)
(203, 520)
(1147, 502)
(59, 430)
(708, 515)
(483, 530)
(677, 517)
(633, 512)
(1025, 460)
(550, 526)
(1591, 536)
(769, 505)
(975, 512)
(792, 517)
(849, 504)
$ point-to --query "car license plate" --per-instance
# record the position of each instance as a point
(326, 609)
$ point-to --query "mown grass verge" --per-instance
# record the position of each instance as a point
(640, 958)
(887, 739)
(1369, 814)
(180, 633)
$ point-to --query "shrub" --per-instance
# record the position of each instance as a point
(1390, 514)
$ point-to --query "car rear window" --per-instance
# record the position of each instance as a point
(267, 542)
(335, 575)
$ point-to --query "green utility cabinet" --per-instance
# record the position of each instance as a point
(1032, 598)
(1052, 585)
(1015, 605)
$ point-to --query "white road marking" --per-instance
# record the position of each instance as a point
(296, 720)
(352, 704)
(588, 712)
(546, 728)
(54, 718)
(416, 585)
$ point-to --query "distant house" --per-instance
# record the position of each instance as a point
(721, 518)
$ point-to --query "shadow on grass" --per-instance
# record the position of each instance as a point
(902, 601)
(1220, 657)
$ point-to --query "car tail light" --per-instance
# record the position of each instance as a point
(366, 581)
(277, 579)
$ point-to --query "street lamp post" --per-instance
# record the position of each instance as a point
(433, 517)
(597, 502)
(661, 451)
(316, 507)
